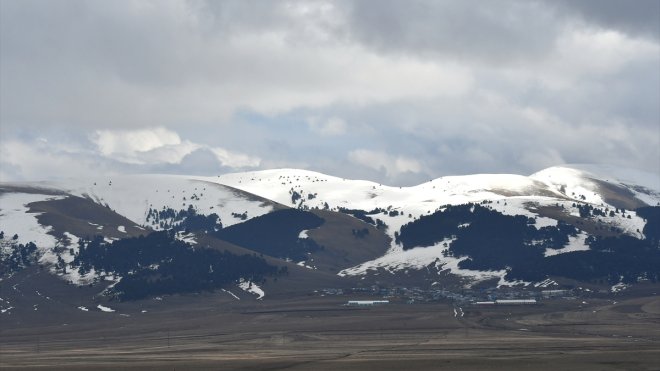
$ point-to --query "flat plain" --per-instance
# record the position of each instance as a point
(214, 331)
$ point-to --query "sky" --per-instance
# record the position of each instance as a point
(397, 92)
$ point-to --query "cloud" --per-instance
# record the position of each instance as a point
(586, 54)
(233, 159)
(393, 166)
(411, 90)
(489, 32)
(160, 145)
(131, 64)
(493, 33)
(141, 146)
(329, 127)
(37, 160)
(640, 18)
(116, 151)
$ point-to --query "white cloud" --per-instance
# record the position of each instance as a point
(115, 151)
(160, 146)
(233, 159)
(167, 153)
(381, 161)
(591, 53)
(38, 160)
(131, 145)
(329, 127)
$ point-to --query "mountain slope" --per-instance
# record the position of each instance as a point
(356, 228)
(549, 196)
(133, 195)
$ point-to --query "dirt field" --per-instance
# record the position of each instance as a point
(212, 332)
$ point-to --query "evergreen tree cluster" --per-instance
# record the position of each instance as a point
(433, 228)
(366, 216)
(241, 216)
(295, 196)
(587, 210)
(184, 220)
(275, 234)
(160, 264)
(16, 256)
(609, 260)
(493, 241)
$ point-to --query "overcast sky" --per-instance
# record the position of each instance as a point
(397, 92)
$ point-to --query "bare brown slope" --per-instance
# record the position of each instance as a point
(239, 193)
(83, 217)
(299, 280)
(617, 195)
(342, 248)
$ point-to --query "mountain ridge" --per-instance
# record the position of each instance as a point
(581, 209)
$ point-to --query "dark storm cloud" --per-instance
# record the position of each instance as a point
(639, 17)
(492, 31)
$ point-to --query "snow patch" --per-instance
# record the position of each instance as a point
(423, 257)
(187, 238)
(304, 265)
(618, 287)
(6, 310)
(632, 226)
(121, 229)
(15, 218)
(252, 288)
(74, 241)
(545, 283)
(232, 294)
(105, 309)
(575, 243)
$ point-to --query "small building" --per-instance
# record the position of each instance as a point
(516, 302)
(554, 293)
(366, 302)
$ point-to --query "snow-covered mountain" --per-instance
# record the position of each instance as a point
(133, 195)
(580, 203)
(577, 182)
(532, 196)
(513, 194)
